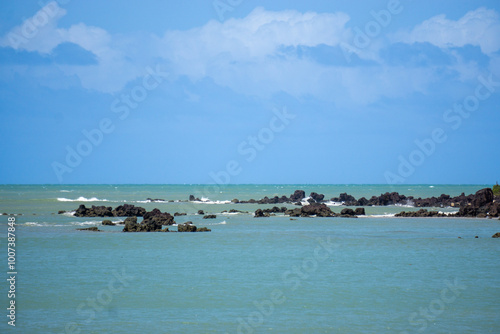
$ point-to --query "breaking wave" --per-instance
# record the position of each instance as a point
(81, 199)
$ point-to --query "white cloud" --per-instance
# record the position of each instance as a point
(37, 33)
(40, 33)
(480, 27)
(249, 40)
(246, 54)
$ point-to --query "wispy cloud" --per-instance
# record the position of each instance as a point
(480, 27)
(260, 54)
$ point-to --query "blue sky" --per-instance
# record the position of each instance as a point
(239, 91)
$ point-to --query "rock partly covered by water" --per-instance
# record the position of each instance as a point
(125, 210)
(268, 212)
(496, 235)
(92, 229)
(129, 210)
(481, 205)
(158, 217)
(189, 227)
(108, 222)
(316, 209)
(420, 213)
(94, 211)
(131, 225)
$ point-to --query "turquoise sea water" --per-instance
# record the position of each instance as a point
(376, 274)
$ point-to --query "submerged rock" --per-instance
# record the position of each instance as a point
(210, 217)
(108, 222)
(186, 227)
(260, 213)
(92, 229)
(420, 213)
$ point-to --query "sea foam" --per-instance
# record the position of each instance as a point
(81, 199)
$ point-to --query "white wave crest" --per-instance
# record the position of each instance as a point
(69, 214)
(385, 215)
(221, 223)
(66, 191)
(330, 203)
(81, 199)
(205, 200)
(86, 223)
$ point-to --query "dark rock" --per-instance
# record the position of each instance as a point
(318, 210)
(359, 211)
(297, 196)
(201, 212)
(260, 213)
(60, 212)
(157, 217)
(482, 197)
(92, 229)
(235, 201)
(194, 199)
(317, 197)
(108, 222)
(237, 211)
(148, 225)
(362, 202)
(420, 213)
(186, 227)
(179, 214)
(345, 198)
(129, 210)
(155, 199)
(131, 225)
(496, 235)
(94, 211)
(203, 229)
(294, 212)
(494, 209)
(347, 212)
(210, 217)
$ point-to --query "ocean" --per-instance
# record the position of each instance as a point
(373, 274)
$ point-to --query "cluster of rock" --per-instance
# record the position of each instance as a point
(311, 210)
(269, 212)
(481, 205)
(152, 225)
(148, 225)
(392, 198)
(420, 213)
(125, 210)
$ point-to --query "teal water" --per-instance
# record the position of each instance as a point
(377, 274)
